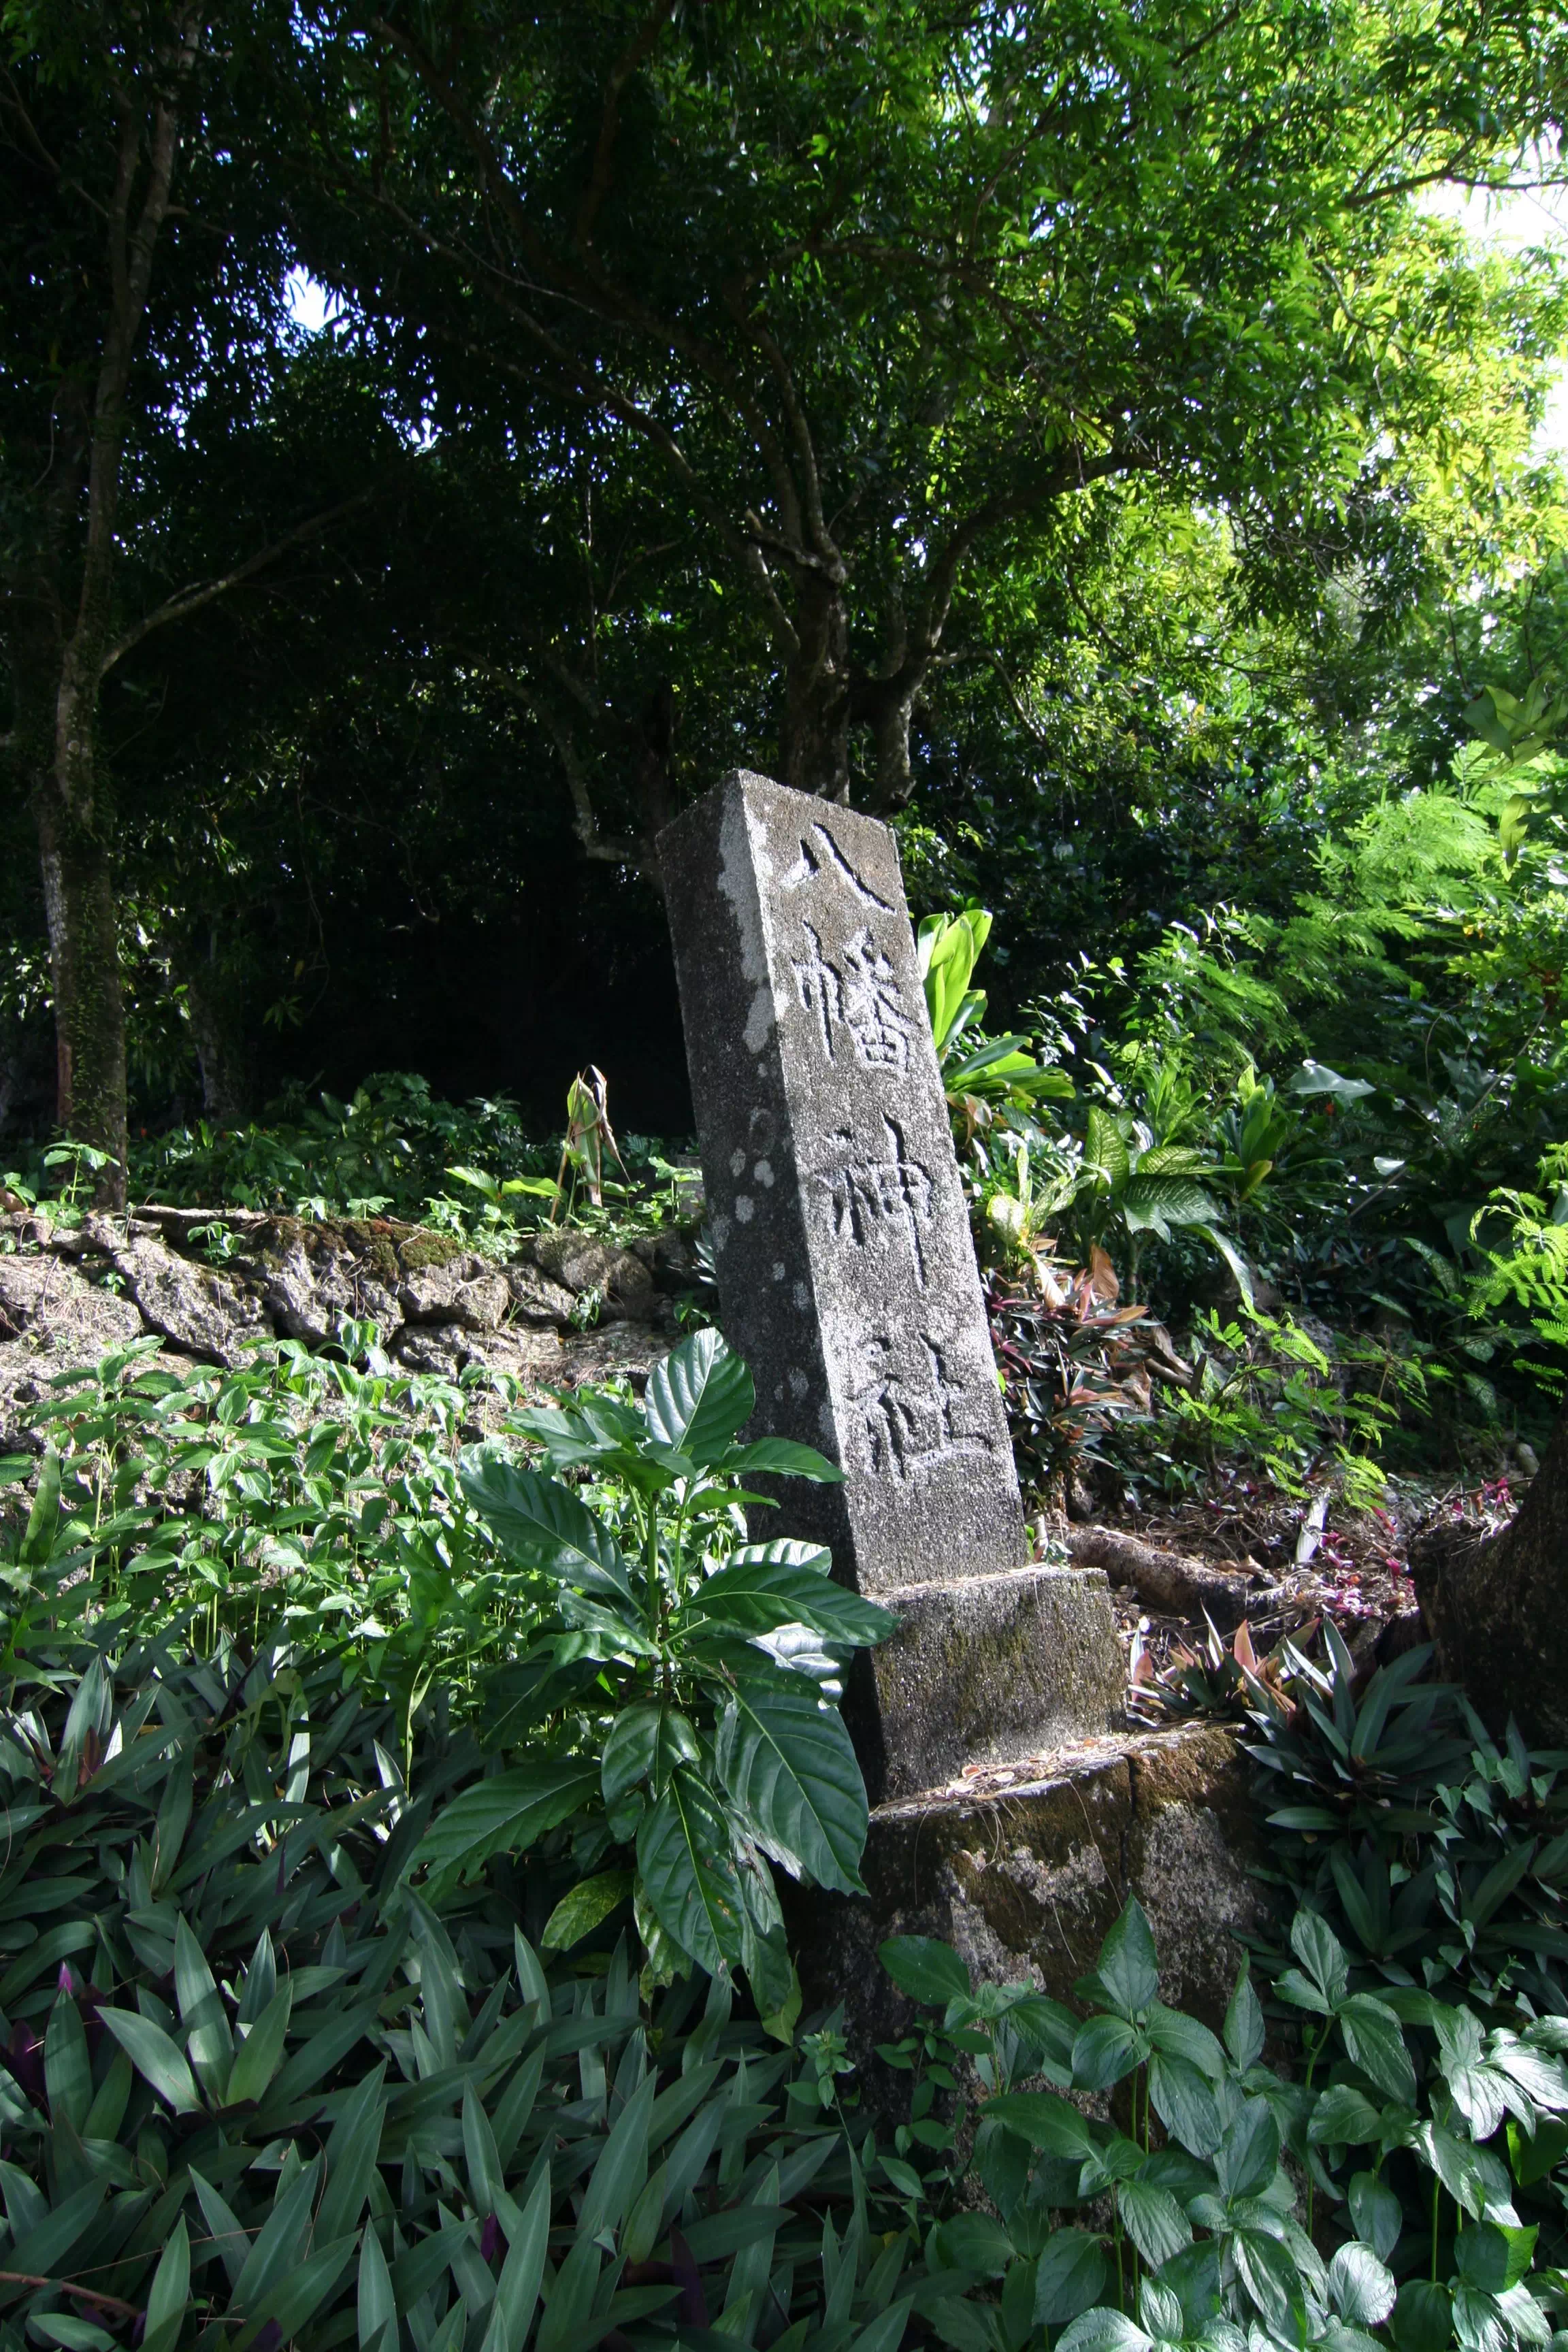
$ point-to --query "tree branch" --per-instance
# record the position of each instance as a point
(186, 600)
(641, 46)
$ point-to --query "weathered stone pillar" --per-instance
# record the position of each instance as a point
(847, 1280)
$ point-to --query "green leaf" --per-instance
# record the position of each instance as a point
(1068, 2278)
(1249, 2155)
(1243, 2021)
(1361, 2288)
(1376, 2214)
(522, 2273)
(43, 1520)
(351, 2150)
(1103, 2330)
(1127, 1975)
(1045, 2121)
(1184, 2104)
(1106, 2049)
(628, 1751)
(586, 1907)
(683, 1857)
(1317, 1948)
(202, 2012)
(506, 1812)
(1376, 2042)
(67, 2069)
(1422, 2318)
(1268, 2270)
(170, 2289)
(925, 1968)
(1153, 2220)
(787, 1760)
(260, 2054)
(781, 1457)
(542, 1524)
(155, 2057)
(974, 2241)
(699, 1397)
(377, 2305)
(757, 1597)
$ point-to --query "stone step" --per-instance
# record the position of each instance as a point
(1023, 1870)
(983, 1670)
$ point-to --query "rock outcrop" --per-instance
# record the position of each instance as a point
(555, 1308)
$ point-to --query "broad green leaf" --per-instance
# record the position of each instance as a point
(787, 1760)
(1105, 2049)
(683, 1858)
(975, 2241)
(1153, 2220)
(1127, 1975)
(542, 1524)
(925, 1968)
(781, 1457)
(628, 1751)
(1422, 2318)
(1249, 2155)
(1361, 2288)
(1103, 2330)
(1344, 2118)
(587, 1906)
(1374, 2037)
(1184, 2103)
(505, 1813)
(699, 1397)
(1243, 2021)
(1375, 2213)
(1045, 2121)
(757, 1597)
(155, 2057)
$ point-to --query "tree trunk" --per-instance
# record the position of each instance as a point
(817, 695)
(1495, 1608)
(213, 1002)
(84, 957)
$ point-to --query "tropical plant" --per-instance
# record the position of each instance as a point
(1438, 1853)
(257, 2081)
(1185, 2200)
(702, 1671)
(1072, 1361)
(1129, 1185)
(985, 1078)
(314, 1494)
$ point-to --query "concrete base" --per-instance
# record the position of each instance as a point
(983, 1670)
(1024, 1881)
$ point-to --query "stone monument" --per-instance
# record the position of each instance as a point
(847, 1281)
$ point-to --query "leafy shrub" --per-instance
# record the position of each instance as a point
(1439, 1857)
(1176, 2219)
(713, 1665)
(259, 2086)
(298, 1489)
(661, 1672)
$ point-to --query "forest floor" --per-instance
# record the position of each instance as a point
(1307, 1560)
